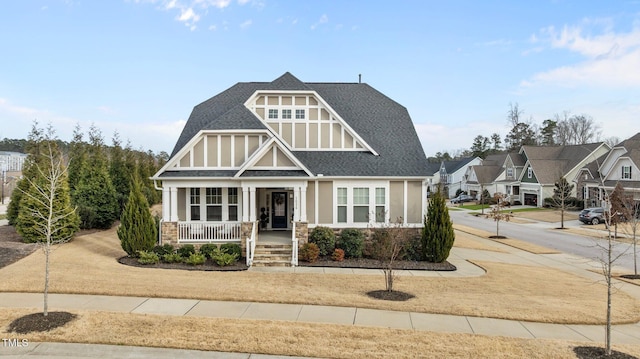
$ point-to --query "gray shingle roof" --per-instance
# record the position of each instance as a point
(551, 162)
(383, 123)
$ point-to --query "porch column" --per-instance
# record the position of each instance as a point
(303, 204)
(296, 204)
(174, 204)
(252, 204)
(245, 204)
(166, 204)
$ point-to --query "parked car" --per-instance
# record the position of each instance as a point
(593, 215)
(462, 198)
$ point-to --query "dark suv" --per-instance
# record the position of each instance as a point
(594, 215)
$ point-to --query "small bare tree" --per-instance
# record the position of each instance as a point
(47, 205)
(497, 212)
(631, 228)
(561, 195)
(388, 244)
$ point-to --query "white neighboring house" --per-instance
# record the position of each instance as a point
(622, 164)
(453, 175)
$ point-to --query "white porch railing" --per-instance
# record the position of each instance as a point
(251, 244)
(294, 245)
(207, 232)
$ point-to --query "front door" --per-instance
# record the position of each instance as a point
(279, 212)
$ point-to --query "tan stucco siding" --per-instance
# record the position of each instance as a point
(325, 206)
(286, 100)
(260, 113)
(286, 132)
(225, 150)
(272, 100)
(313, 135)
(311, 202)
(324, 115)
(396, 200)
(182, 204)
(254, 143)
(324, 136)
(313, 114)
(301, 100)
(313, 101)
(301, 135)
(283, 160)
(337, 135)
(239, 150)
(198, 154)
(185, 161)
(348, 140)
(414, 202)
(260, 100)
(266, 160)
(212, 151)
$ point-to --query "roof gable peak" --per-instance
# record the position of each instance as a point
(288, 82)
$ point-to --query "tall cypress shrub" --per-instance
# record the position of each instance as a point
(437, 234)
(137, 230)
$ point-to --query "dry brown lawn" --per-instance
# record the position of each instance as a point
(288, 338)
(526, 246)
(88, 266)
(466, 240)
(547, 215)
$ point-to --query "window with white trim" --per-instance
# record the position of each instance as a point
(214, 204)
(529, 172)
(300, 114)
(342, 205)
(273, 113)
(232, 199)
(361, 204)
(194, 204)
(380, 205)
(626, 172)
(509, 172)
(286, 114)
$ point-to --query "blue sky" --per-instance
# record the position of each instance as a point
(139, 66)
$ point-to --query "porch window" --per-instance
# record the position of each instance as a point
(380, 205)
(360, 204)
(194, 201)
(214, 204)
(286, 114)
(232, 198)
(273, 113)
(342, 205)
(626, 172)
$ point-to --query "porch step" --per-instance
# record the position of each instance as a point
(272, 255)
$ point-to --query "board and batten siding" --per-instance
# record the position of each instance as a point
(221, 151)
(414, 202)
(182, 204)
(396, 200)
(311, 202)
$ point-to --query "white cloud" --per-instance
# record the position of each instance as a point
(246, 24)
(323, 20)
(188, 15)
(609, 59)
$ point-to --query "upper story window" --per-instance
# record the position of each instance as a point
(300, 114)
(273, 113)
(529, 172)
(626, 172)
(286, 114)
(509, 172)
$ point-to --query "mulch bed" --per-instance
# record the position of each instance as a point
(240, 265)
(367, 263)
(630, 276)
(599, 353)
(395, 295)
(37, 322)
(12, 248)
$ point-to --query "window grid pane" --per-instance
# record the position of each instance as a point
(214, 195)
(233, 196)
(286, 114)
(342, 214)
(300, 114)
(233, 213)
(194, 197)
(360, 214)
(273, 113)
(342, 196)
(380, 195)
(360, 196)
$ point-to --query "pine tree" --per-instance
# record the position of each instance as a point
(77, 162)
(137, 230)
(94, 194)
(120, 177)
(437, 234)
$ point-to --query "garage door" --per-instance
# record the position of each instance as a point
(531, 199)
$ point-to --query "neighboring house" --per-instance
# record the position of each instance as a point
(289, 156)
(622, 164)
(433, 177)
(545, 165)
(12, 161)
(453, 175)
(484, 177)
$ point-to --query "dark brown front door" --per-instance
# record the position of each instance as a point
(279, 212)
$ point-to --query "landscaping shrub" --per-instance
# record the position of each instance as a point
(309, 252)
(208, 249)
(380, 242)
(195, 259)
(324, 238)
(232, 248)
(222, 258)
(437, 234)
(172, 258)
(145, 257)
(164, 249)
(186, 250)
(338, 255)
(412, 251)
(352, 242)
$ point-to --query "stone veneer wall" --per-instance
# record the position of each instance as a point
(302, 233)
(169, 233)
(245, 232)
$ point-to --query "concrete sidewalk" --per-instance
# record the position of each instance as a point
(351, 316)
